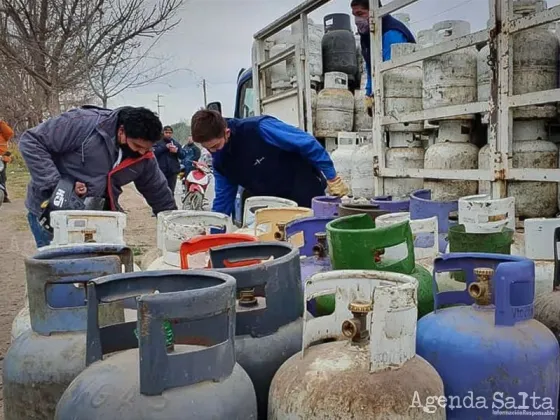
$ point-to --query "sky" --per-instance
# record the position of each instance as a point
(215, 46)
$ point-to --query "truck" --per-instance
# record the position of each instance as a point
(294, 106)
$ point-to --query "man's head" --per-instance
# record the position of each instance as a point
(209, 129)
(138, 129)
(190, 140)
(360, 10)
(167, 132)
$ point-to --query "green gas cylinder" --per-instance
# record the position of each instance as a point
(355, 243)
(460, 240)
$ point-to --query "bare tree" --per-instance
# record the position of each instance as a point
(126, 66)
(55, 41)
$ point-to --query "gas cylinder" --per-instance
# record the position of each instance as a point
(450, 78)
(252, 204)
(45, 357)
(404, 151)
(355, 243)
(335, 106)
(362, 172)
(181, 226)
(372, 374)
(547, 305)
(339, 46)
(279, 76)
(490, 349)
(372, 210)
(483, 214)
(422, 206)
(535, 62)
(531, 149)
(270, 222)
(72, 295)
(452, 150)
(539, 247)
(203, 243)
(394, 204)
(314, 51)
(269, 309)
(342, 156)
(362, 120)
(325, 206)
(151, 376)
(309, 235)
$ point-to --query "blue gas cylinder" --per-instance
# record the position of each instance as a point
(494, 358)
(49, 352)
(310, 234)
(269, 325)
(148, 375)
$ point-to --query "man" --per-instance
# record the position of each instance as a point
(169, 153)
(393, 32)
(6, 133)
(192, 154)
(100, 150)
(266, 157)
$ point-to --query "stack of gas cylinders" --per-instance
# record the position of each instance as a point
(387, 309)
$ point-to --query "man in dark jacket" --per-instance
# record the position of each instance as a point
(169, 154)
(265, 156)
(393, 32)
(101, 150)
(192, 154)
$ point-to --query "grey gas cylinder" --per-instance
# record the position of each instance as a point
(269, 308)
(149, 376)
(50, 352)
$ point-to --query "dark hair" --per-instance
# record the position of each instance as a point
(168, 128)
(140, 123)
(207, 125)
(364, 4)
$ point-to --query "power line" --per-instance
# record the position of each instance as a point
(442, 12)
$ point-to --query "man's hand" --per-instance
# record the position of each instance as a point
(368, 104)
(337, 187)
(172, 148)
(80, 189)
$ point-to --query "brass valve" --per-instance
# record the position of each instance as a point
(481, 289)
(356, 328)
(247, 298)
(320, 248)
(281, 234)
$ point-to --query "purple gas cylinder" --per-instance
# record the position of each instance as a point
(423, 207)
(394, 205)
(314, 257)
(325, 206)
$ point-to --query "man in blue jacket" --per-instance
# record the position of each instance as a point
(393, 32)
(100, 150)
(192, 154)
(266, 157)
(169, 154)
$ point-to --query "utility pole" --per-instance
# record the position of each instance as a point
(159, 105)
(204, 92)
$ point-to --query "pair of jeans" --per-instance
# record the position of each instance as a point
(42, 237)
(172, 182)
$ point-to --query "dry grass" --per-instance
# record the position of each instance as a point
(18, 175)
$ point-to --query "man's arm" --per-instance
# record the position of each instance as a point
(225, 192)
(153, 186)
(292, 139)
(181, 153)
(389, 38)
(37, 145)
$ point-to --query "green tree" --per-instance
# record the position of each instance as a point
(181, 131)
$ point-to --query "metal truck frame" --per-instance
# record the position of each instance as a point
(499, 105)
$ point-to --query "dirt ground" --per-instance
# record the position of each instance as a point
(17, 242)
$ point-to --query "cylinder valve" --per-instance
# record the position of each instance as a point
(320, 248)
(247, 298)
(281, 234)
(481, 289)
(356, 328)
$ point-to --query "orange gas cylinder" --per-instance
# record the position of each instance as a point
(200, 244)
